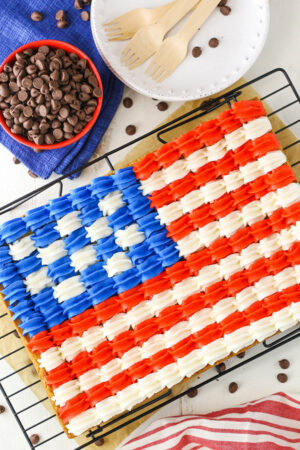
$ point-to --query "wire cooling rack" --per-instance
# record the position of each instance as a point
(284, 99)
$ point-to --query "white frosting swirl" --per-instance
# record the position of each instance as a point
(52, 252)
(117, 264)
(69, 288)
(21, 248)
(37, 281)
(83, 258)
(111, 203)
(129, 236)
(99, 229)
(68, 223)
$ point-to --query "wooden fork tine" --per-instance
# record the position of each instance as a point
(121, 37)
(136, 63)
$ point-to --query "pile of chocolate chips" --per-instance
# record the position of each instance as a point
(48, 95)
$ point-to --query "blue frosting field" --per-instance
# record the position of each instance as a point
(41, 311)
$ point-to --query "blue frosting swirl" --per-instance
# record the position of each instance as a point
(120, 218)
(93, 274)
(61, 269)
(45, 236)
(33, 324)
(102, 186)
(76, 240)
(15, 291)
(102, 291)
(127, 280)
(28, 265)
(90, 213)
(8, 275)
(5, 257)
(36, 218)
(150, 268)
(12, 230)
(124, 177)
(106, 247)
(60, 206)
(77, 305)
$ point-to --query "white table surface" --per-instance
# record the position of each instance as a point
(256, 379)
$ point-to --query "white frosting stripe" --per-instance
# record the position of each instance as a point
(207, 275)
(186, 366)
(180, 168)
(215, 189)
(228, 225)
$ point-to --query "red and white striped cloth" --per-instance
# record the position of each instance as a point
(270, 423)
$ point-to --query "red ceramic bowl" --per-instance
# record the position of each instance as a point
(69, 49)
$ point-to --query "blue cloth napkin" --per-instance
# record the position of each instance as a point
(16, 29)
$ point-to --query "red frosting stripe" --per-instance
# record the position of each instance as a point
(178, 272)
(163, 358)
(206, 134)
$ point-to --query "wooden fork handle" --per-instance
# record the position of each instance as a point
(176, 12)
(197, 18)
(161, 10)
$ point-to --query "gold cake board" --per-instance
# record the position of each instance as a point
(21, 358)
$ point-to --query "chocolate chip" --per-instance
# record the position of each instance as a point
(130, 129)
(28, 112)
(60, 15)
(78, 4)
(127, 102)
(34, 439)
(97, 92)
(58, 134)
(57, 94)
(282, 377)
(241, 355)
(2, 409)
(221, 368)
(38, 82)
(196, 52)
(162, 106)
(225, 10)
(16, 161)
(3, 77)
(213, 42)
(62, 24)
(49, 139)
(13, 86)
(222, 3)
(192, 392)
(233, 387)
(44, 49)
(99, 442)
(36, 16)
(284, 363)
(85, 16)
(33, 175)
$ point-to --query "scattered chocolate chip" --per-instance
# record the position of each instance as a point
(85, 16)
(162, 106)
(192, 392)
(97, 92)
(99, 442)
(233, 387)
(284, 363)
(131, 129)
(213, 42)
(16, 161)
(222, 3)
(78, 4)
(127, 102)
(31, 174)
(225, 10)
(241, 355)
(196, 52)
(36, 16)
(2, 409)
(62, 24)
(221, 368)
(34, 439)
(60, 15)
(282, 378)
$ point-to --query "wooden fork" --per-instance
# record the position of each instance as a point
(148, 39)
(125, 26)
(174, 49)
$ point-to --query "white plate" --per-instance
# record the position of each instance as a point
(242, 35)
